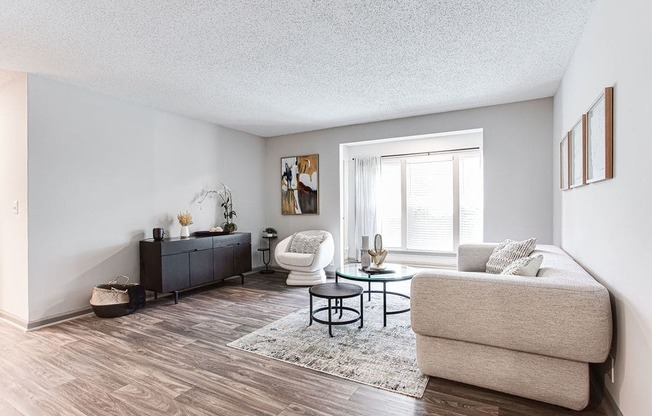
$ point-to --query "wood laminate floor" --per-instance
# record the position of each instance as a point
(173, 359)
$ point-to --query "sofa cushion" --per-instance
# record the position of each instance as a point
(296, 259)
(526, 266)
(507, 252)
(539, 377)
(474, 257)
(308, 244)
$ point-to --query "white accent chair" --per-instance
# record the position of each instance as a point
(305, 269)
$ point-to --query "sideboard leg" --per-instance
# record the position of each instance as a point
(176, 297)
(242, 278)
(155, 295)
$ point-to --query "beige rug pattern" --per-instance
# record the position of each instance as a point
(381, 357)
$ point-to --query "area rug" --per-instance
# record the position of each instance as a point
(380, 357)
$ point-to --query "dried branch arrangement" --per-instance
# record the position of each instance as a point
(185, 218)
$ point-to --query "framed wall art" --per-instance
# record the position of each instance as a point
(564, 167)
(577, 143)
(599, 139)
(300, 185)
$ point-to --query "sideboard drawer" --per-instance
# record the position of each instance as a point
(185, 245)
(231, 240)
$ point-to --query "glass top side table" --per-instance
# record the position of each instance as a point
(392, 273)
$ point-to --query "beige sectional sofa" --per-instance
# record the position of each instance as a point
(528, 336)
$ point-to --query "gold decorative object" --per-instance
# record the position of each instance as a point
(378, 255)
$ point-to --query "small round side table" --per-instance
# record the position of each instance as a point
(339, 292)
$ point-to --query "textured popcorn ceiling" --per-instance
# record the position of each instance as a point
(282, 66)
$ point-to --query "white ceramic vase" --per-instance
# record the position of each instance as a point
(185, 232)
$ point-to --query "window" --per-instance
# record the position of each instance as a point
(431, 202)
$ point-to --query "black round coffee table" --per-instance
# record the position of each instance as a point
(339, 292)
(392, 273)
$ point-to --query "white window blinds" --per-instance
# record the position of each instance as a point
(431, 202)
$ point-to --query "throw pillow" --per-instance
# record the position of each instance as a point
(526, 266)
(507, 252)
(307, 244)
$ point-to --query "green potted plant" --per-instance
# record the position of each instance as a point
(269, 232)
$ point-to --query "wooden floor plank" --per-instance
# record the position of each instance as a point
(174, 359)
(296, 409)
(6, 409)
(28, 397)
(89, 398)
(147, 400)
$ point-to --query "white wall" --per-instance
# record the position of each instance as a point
(13, 187)
(607, 226)
(516, 157)
(104, 172)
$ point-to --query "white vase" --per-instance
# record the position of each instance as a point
(185, 232)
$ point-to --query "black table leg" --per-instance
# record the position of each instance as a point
(267, 258)
(361, 310)
(310, 310)
(330, 319)
(384, 304)
(341, 307)
(369, 290)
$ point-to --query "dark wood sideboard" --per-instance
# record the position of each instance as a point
(176, 264)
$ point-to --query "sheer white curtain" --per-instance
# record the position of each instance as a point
(367, 189)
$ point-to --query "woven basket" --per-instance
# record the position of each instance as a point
(108, 301)
(109, 296)
(136, 291)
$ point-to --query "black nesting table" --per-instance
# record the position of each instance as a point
(392, 273)
(339, 292)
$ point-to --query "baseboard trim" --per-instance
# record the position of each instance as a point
(56, 319)
(41, 323)
(13, 320)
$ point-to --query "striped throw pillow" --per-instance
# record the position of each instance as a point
(526, 266)
(307, 244)
(507, 252)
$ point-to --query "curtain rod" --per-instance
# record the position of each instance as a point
(428, 153)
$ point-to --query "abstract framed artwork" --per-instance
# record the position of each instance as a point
(300, 185)
(599, 139)
(564, 167)
(577, 143)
